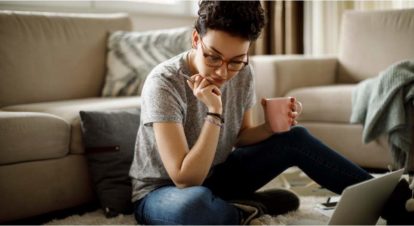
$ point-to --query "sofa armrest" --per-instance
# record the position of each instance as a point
(277, 75)
(31, 136)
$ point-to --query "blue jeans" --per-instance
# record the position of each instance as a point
(246, 170)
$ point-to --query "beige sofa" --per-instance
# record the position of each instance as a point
(370, 41)
(51, 66)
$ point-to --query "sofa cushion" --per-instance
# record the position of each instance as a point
(53, 56)
(373, 40)
(132, 55)
(38, 187)
(28, 136)
(109, 138)
(69, 111)
(325, 103)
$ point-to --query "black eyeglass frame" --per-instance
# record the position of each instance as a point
(222, 61)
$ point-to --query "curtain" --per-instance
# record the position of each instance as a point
(283, 32)
(323, 21)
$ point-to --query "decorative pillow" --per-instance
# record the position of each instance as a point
(109, 138)
(132, 55)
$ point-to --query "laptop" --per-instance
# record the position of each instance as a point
(361, 204)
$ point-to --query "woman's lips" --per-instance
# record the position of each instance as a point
(217, 81)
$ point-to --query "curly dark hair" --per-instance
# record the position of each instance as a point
(244, 19)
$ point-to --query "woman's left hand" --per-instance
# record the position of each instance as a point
(293, 114)
(266, 124)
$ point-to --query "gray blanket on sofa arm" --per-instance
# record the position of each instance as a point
(384, 105)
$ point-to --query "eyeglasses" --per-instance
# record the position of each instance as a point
(217, 61)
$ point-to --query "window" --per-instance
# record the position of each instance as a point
(162, 7)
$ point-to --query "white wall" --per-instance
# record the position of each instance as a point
(322, 21)
(149, 22)
(145, 15)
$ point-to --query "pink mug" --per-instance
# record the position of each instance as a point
(277, 112)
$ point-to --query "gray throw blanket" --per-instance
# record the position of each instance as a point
(384, 105)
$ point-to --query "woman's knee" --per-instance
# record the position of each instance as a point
(203, 204)
(194, 197)
(299, 130)
(186, 198)
(294, 133)
(193, 205)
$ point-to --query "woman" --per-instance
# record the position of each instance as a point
(185, 170)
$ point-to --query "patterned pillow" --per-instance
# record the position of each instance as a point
(132, 55)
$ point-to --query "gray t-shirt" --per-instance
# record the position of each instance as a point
(166, 97)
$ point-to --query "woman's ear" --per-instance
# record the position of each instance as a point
(194, 39)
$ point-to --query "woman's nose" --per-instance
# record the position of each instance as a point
(222, 71)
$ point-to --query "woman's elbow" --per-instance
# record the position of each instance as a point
(239, 143)
(186, 182)
(182, 186)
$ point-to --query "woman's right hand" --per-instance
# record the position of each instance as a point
(266, 123)
(206, 92)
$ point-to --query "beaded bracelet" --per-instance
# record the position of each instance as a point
(213, 122)
(217, 115)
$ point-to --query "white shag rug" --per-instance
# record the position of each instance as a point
(306, 215)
